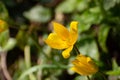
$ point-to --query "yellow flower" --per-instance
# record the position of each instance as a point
(62, 38)
(84, 65)
(3, 26)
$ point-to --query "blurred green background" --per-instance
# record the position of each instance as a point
(29, 23)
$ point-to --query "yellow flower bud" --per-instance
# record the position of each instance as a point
(84, 65)
(3, 26)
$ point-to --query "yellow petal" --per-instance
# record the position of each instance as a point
(79, 71)
(66, 52)
(82, 70)
(54, 41)
(61, 31)
(73, 32)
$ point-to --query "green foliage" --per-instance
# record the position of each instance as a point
(81, 78)
(4, 36)
(90, 16)
(107, 4)
(102, 36)
(77, 5)
(87, 46)
(3, 11)
(6, 43)
(82, 5)
(66, 7)
(115, 70)
(41, 14)
(10, 44)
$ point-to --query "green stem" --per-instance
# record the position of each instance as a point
(40, 67)
(76, 49)
(27, 56)
(28, 60)
(88, 78)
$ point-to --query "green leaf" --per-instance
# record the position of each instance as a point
(67, 6)
(89, 17)
(10, 44)
(77, 5)
(102, 36)
(81, 78)
(82, 5)
(115, 70)
(118, 1)
(82, 26)
(88, 46)
(38, 67)
(3, 11)
(4, 36)
(38, 14)
(114, 64)
(107, 4)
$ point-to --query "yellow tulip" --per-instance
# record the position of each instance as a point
(84, 65)
(62, 38)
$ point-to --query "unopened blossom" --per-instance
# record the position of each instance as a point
(3, 26)
(84, 65)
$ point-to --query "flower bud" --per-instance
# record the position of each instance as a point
(3, 26)
(84, 65)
